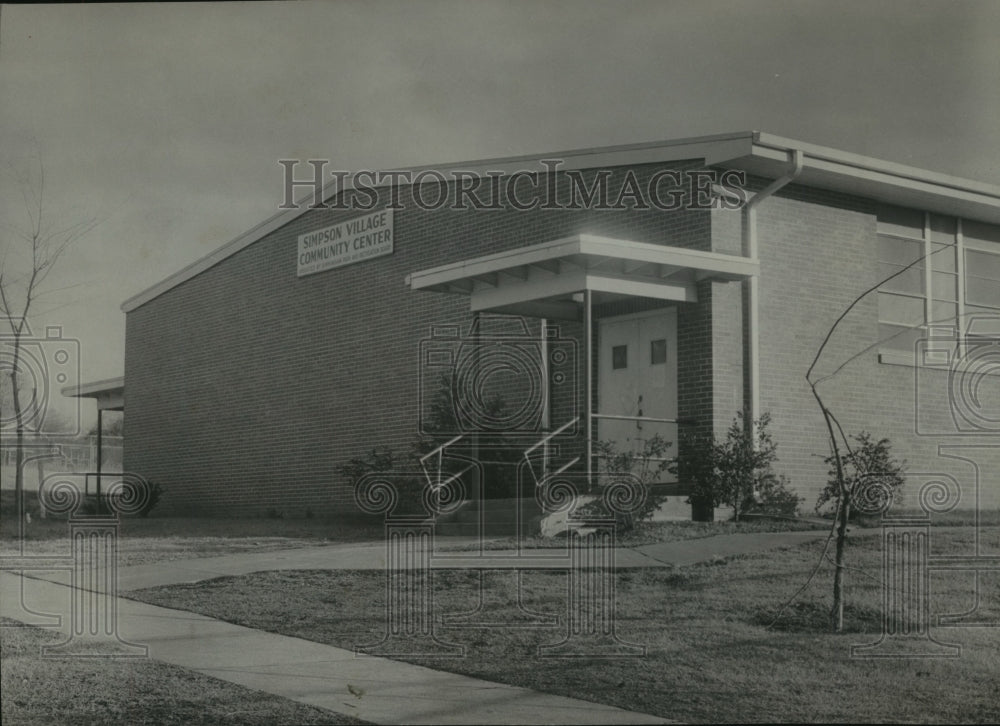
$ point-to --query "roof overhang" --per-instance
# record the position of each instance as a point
(768, 156)
(109, 394)
(548, 279)
(756, 153)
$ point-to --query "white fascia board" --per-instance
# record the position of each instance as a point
(95, 388)
(632, 287)
(512, 294)
(213, 258)
(699, 260)
(562, 285)
(586, 246)
(498, 262)
(891, 169)
(692, 148)
(879, 180)
(974, 200)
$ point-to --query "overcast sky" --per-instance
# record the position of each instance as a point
(165, 122)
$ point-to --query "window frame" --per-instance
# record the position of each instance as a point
(936, 237)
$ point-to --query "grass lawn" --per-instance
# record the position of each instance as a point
(156, 539)
(653, 532)
(710, 655)
(101, 691)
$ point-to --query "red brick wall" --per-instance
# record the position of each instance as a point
(817, 253)
(248, 386)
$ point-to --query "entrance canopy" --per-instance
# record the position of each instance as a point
(109, 394)
(548, 280)
(565, 278)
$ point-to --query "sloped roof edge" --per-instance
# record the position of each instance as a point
(753, 151)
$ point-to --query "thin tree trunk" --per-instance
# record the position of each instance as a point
(843, 510)
(40, 462)
(19, 440)
(837, 613)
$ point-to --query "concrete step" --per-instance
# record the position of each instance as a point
(492, 517)
(462, 529)
(498, 507)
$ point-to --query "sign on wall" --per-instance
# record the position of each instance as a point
(346, 243)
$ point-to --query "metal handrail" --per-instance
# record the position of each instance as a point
(542, 442)
(616, 417)
(436, 482)
(439, 451)
(551, 435)
(453, 477)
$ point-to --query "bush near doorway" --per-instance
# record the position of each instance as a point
(646, 465)
(736, 471)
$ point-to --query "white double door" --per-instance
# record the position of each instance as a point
(637, 377)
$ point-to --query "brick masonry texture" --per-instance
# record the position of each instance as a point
(249, 386)
(818, 252)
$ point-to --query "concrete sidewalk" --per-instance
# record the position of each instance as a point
(319, 675)
(373, 557)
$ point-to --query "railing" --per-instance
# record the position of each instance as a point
(436, 482)
(651, 419)
(640, 419)
(543, 442)
(78, 454)
(438, 478)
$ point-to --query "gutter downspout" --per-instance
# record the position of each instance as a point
(753, 290)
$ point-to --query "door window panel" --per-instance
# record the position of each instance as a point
(658, 351)
(619, 357)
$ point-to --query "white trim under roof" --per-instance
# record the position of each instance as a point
(545, 280)
(751, 151)
(863, 176)
(109, 393)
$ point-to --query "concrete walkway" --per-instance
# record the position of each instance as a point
(373, 689)
(373, 557)
(329, 677)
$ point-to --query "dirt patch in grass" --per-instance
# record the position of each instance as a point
(709, 656)
(101, 691)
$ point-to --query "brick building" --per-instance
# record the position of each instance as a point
(701, 276)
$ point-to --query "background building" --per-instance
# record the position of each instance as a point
(710, 271)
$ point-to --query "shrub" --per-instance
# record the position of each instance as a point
(493, 449)
(872, 476)
(773, 497)
(381, 459)
(737, 471)
(696, 465)
(744, 463)
(646, 465)
(154, 492)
